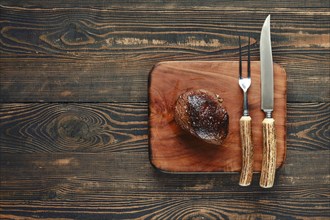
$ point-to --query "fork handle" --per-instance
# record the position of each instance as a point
(269, 153)
(247, 151)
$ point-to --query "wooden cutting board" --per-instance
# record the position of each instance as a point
(173, 150)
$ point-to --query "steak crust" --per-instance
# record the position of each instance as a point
(200, 113)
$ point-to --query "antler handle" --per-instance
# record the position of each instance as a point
(247, 151)
(269, 153)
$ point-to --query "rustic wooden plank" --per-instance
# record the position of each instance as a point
(96, 55)
(93, 34)
(124, 185)
(186, 4)
(305, 129)
(73, 127)
(111, 127)
(62, 81)
(65, 81)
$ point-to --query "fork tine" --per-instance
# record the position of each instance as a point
(240, 57)
(249, 61)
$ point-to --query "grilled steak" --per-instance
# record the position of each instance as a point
(201, 113)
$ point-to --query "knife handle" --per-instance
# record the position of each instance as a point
(269, 153)
(247, 151)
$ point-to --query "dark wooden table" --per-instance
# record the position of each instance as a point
(74, 108)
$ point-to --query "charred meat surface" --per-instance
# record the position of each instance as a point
(201, 113)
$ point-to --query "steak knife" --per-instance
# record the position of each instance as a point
(267, 105)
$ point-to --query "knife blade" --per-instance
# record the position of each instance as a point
(267, 105)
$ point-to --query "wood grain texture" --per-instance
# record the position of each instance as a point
(245, 124)
(67, 81)
(31, 127)
(120, 185)
(168, 4)
(313, 127)
(101, 52)
(173, 150)
(90, 160)
(71, 185)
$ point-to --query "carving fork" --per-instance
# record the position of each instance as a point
(245, 123)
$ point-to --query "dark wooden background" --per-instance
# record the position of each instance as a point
(74, 111)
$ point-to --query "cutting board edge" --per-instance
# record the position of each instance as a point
(199, 172)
